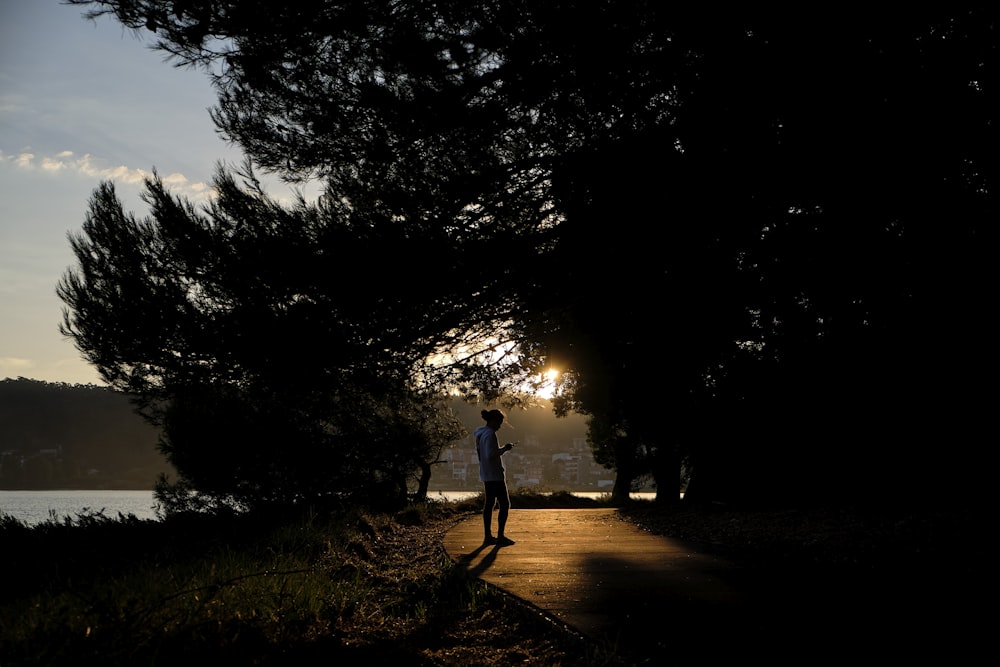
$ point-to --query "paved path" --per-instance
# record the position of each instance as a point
(600, 575)
(652, 598)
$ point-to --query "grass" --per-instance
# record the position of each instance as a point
(359, 587)
(334, 587)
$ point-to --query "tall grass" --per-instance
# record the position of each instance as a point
(96, 590)
(344, 586)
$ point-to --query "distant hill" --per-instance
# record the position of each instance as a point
(63, 436)
(66, 436)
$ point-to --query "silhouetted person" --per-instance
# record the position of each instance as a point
(492, 475)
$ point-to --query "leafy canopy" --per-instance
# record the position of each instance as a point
(718, 218)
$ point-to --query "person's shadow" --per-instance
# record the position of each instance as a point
(482, 565)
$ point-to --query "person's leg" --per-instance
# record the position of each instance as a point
(491, 499)
(503, 500)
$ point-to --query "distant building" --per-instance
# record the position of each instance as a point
(569, 464)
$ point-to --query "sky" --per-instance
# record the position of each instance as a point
(81, 102)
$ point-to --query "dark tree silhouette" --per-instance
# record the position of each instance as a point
(805, 251)
(266, 340)
(761, 238)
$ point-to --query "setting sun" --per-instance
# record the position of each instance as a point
(547, 386)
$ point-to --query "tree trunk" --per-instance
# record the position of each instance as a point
(625, 468)
(621, 493)
(423, 482)
(667, 475)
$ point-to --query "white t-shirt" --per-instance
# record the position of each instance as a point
(488, 449)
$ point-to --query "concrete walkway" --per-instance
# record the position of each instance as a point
(600, 575)
(651, 598)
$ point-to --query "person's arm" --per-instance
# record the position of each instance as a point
(495, 450)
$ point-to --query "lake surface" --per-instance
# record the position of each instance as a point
(596, 495)
(35, 507)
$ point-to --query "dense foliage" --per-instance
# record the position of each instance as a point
(276, 363)
(756, 240)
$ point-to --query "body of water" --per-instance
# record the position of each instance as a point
(596, 495)
(35, 507)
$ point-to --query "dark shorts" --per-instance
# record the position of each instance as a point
(497, 491)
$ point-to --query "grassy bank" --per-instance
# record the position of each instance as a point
(352, 587)
(333, 587)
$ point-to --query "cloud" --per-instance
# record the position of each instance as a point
(11, 103)
(94, 167)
